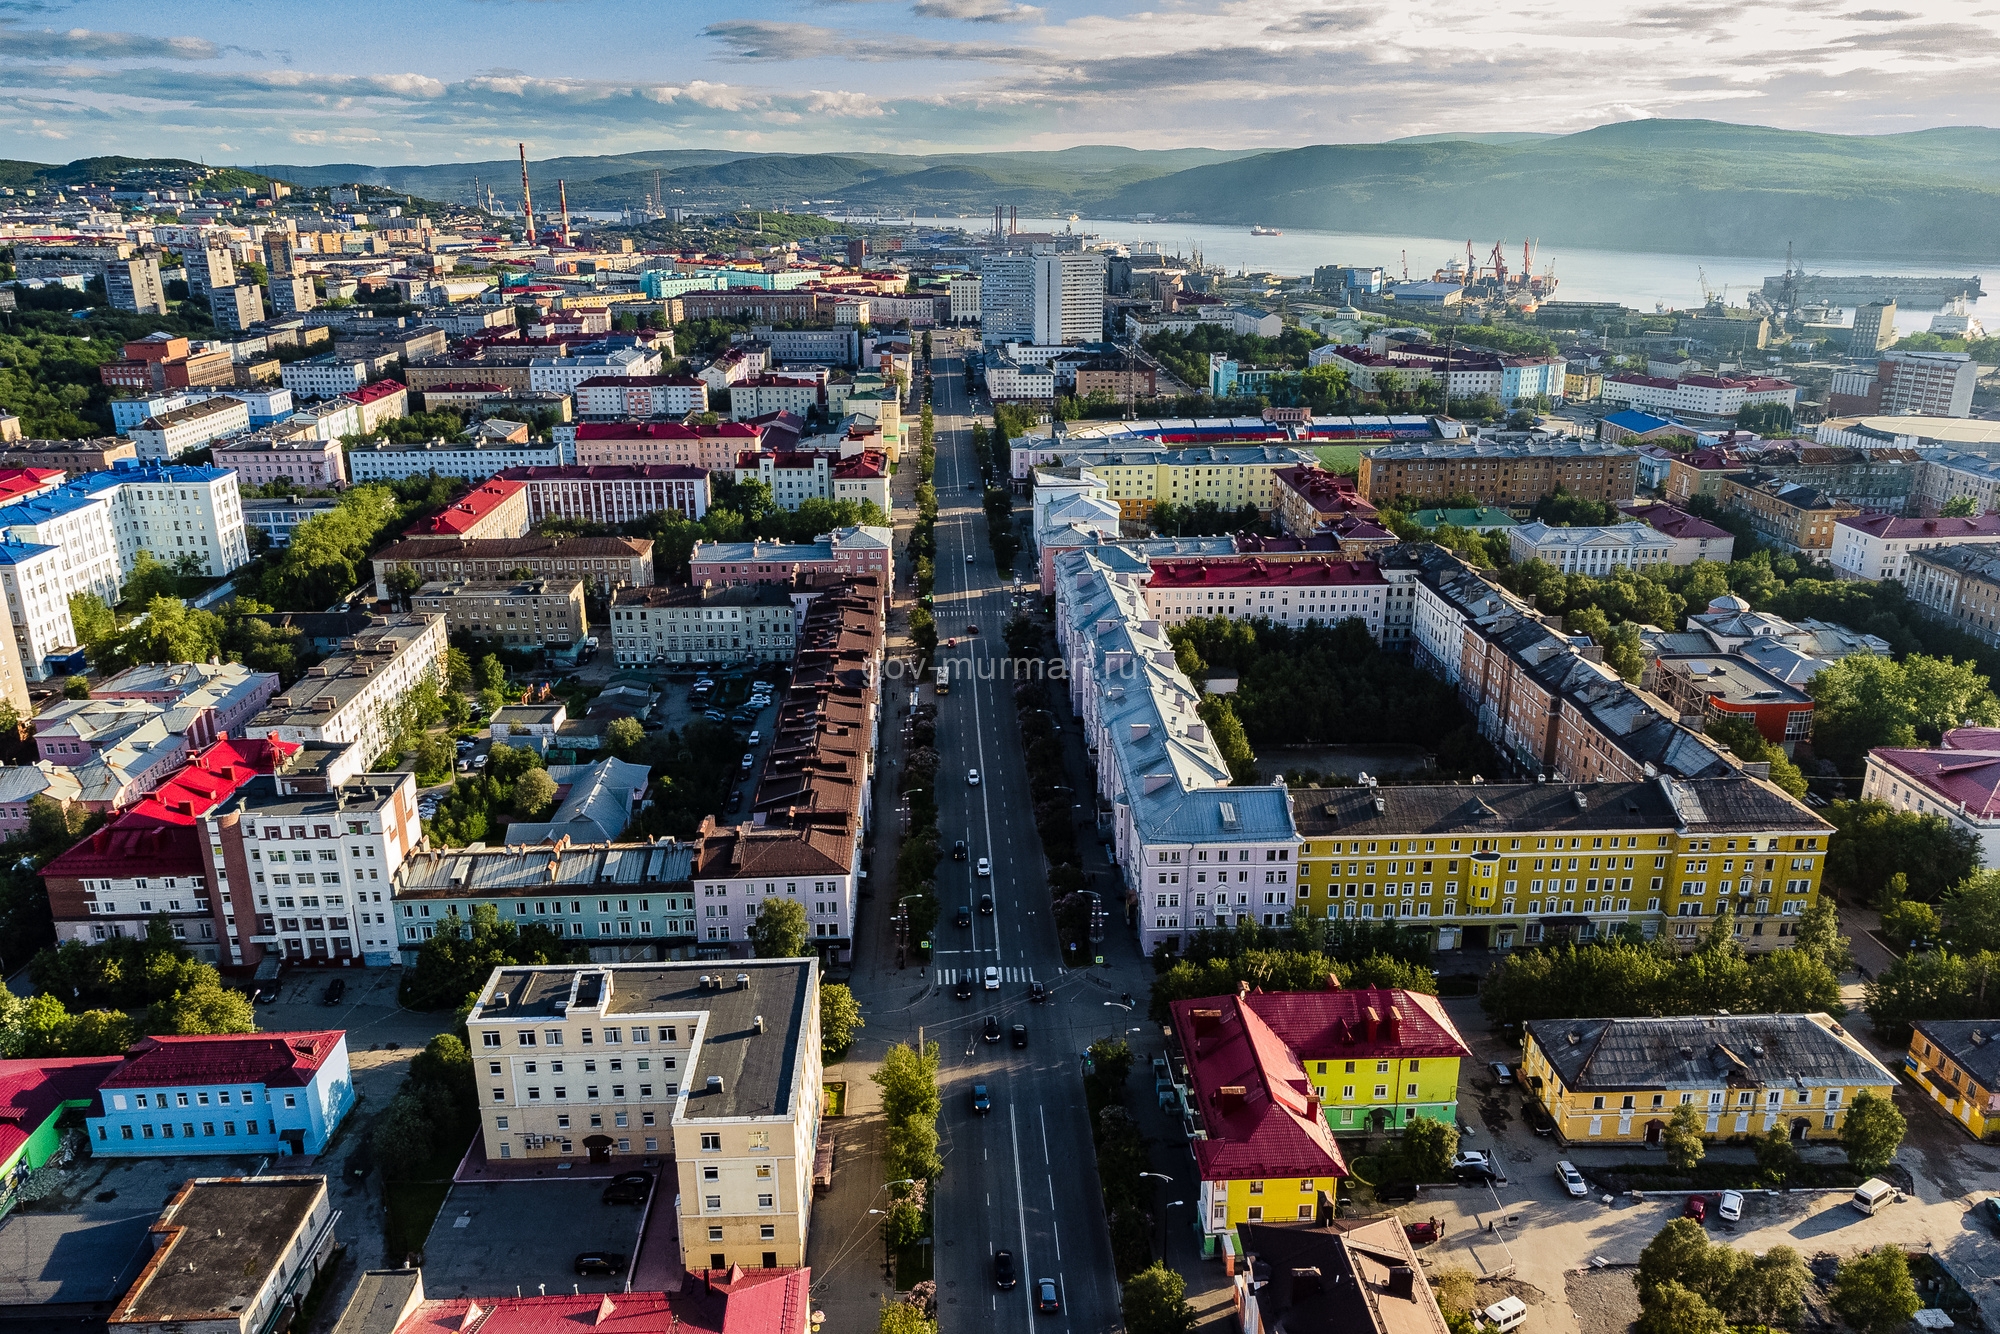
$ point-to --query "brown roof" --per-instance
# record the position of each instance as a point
(740, 851)
(505, 548)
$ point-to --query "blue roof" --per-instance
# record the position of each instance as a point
(127, 471)
(1634, 420)
(14, 553)
(46, 507)
(1219, 815)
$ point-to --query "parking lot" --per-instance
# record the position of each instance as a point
(527, 1233)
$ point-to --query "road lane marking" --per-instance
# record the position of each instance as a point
(1021, 1212)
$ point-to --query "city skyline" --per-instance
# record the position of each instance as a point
(241, 84)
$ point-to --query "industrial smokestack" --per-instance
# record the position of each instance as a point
(562, 202)
(527, 197)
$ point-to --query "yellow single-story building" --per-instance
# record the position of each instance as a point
(1957, 1062)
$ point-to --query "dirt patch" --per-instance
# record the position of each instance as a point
(1492, 1290)
(1606, 1301)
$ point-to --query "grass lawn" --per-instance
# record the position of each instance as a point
(913, 1266)
(413, 1207)
(1339, 458)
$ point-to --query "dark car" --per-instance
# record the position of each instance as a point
(981, 1103)
(963, 917)
(992, 1030)
(972, 629)
(958, 851)
(334, 991)
(1003, 1270)
(629, 1188)
(1697, 1209)
(1474, 1174)
(1988, 1211)
(1046, 1300)
(963, 989)
(1020, 1033)
(985, 905)
(735, 801)
(266, 993)
(1037, 992)
(1539, 1119)
(600, 1262)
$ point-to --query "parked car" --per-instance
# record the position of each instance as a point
(963, 917)
(268, 993)
(334, 991)
(992, 978)
(1019, 1033)
(1697, 1209)
(985, 867)
(958, 851)
(1730, 1206)
(600, 1262)
(1572, 1180)
(1987, 1209)
(1538, 1119)
(716, 716)
(981, 1103)
(479, 761)
(1046, 1300)
(755, 736)
(1003, 1270)
(1501, 1074)
(991, 1032)
(749, 759)
(629, 1188)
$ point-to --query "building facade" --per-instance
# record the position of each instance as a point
(176, 1096)
(1503, 473)
(530, 613)
(706, 624)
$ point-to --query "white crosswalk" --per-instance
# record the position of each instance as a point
(947, 976)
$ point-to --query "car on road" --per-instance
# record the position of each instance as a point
(334, 991)
(1037, 992)
(1046, 1300)
(958, 851)
(600, 1262)
(985, 905)
(972, 778)
(735, 801)
(1730, 1207)
(963, 988)
(968, 558)
(981, 1103)
(992, 978)
(963, 917)
(991, 1032)
(972, 485)
(1019, 1033)
(985, 867)
(1501, 1074)
(1571, 1179)
(749, 759)
(1697, 1209)
(629, 1188)
(1003, 1270)
(972, 629)
(755, 737)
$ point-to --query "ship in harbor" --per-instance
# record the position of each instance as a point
(1795, 289)
(1265, 231)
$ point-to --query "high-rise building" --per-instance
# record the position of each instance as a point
(1928, 384)
(236, 307)
(134, 284)
(1007, 299)
(209, 268)
(277, 253)
(293, 295)
(1874, 329)
(1042, 298)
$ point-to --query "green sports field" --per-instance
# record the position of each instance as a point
(1339, 458)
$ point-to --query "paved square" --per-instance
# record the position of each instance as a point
(527, 1233)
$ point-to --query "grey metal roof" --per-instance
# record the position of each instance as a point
(520, 870)
(1971, 1045)
(1706, 1052)
(1480, 809)
(597, 807)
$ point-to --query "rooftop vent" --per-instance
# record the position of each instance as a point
(758, 1023)
(1230, 820)
(714, 1084)
(743, 979)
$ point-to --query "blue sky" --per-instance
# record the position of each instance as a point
(255, 81)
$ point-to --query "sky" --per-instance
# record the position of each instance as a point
(257, 81)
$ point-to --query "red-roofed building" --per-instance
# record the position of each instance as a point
(1710, 396)
(282, 1093)
(26, 483)
(497, 507)
(1878, 546)
(1694, 538)
(33, 1096)
(863, 476)
(710, 448)
(612, 493)
(1959, 781)
(735, 1300)
(608, 397)
(384, 400)
(1292, 593)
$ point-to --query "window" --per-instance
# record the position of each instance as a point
(711, 1144)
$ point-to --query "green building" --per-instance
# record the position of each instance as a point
(33, 1097)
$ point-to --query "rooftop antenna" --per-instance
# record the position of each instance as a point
(527, 198)
(562, 203)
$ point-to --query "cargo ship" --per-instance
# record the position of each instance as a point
(1265, 231)
(1802, 289)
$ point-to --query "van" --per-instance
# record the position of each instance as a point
(1874, 1195)
(1506, 1313)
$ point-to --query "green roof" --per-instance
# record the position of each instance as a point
(1483, 517)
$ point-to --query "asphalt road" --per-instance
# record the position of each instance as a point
(1019, 1178)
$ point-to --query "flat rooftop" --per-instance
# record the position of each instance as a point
(224, 1237)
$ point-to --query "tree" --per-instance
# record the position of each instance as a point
(1428, 1147)
(1155, 1302)
(1872, 1132)
(492, 673)
(1227, 732)
(1819, 937)
(95, 623)
(207, 1008)
(910, 1151)
(1752, 747)
(1960, 507)
(902, 1224)
(908, 1081)
(462, 955)
(778, 931)
(534, 793)
(623, 735)
(1971, 913)
(1873, 1291)
(1675, 1310)
(76, 687)
(1681, 1254)
(1872, 842)
(174, 632)
(1863, 701)
(1769, 1290)
(404, 580)
(839, 1019)
(149, 579)
(902, 1318)
(404, 1138)
(1682, 1138)
(1777, 1156)
(1911, 921)
(457, 669)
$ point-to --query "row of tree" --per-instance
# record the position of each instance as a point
(1307, 955)
(118, 990)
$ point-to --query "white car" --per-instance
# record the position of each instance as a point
(992, 978)
(969, 558)
(972, 778)
(1469, 1158)
(1572, 1180)
(1730, 1207)
(755, 737)
(748, 759)
(985, 867)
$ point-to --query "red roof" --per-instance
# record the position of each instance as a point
(31, 1091)
(280, 1060)
(207, 780)
(609, 472)
(868, 463)
(1677, 522)
(1929, 530)
(1322, 1025)
(1955, 776)
(161, 846)
(462, 514)
(1254, 570)
(369, 393)
(1262, 1116)
(663, 431)
(738, 1301)
(18, 482)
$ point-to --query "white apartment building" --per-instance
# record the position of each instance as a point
(37, 604)
(1594, 550)
(83, 528)
(328, 420)
(738, 868)
(640, 396)
(209, 266)
(1956, 782)
(1069, 297)
(347, 697)
(236, 308)
(1929, 384)
(560, 375)
(1007, 299)
(386, 462)
(1697, 395)
(170, 434)
(1878, 546)
(328, 376)
(772, 393)
(1946, 473)
(965, 298)
(172, 511)
(1326, 591)
(715, 1067)
(793, 478)
(1011, 382)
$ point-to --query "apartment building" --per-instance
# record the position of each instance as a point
(1881, 546)
(170, 510)
(1927, 384)
(1504, 472)
(477, 460)
(1231, 476)
(964, 298)
(1713, 397)
(44, 638)
(331, 375)
(172, 1095)
(561, 375)
(1289, 593)
(1943, 475)
(494, 508)
(134, 284)
(600, 563)
(612, 493)
(716, 1068)
(1308, 501)
(225, 695)
(236, 308)
(1591, 550)
(753, 398)
(1622, 1080)
(1957, 781)
(710, 448)
(1959, 586)
(1044, 298)
(609, 397)
(83, 529)
(1689, 538)
(379, 401)
(520, 613)
(302, 461)
(705, 624)
(172, 434)
(67, 455)
(1953, 1060)
(845, 553)
(345, 698)
(1788, 515)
